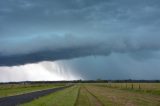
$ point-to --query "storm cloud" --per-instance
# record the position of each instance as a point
(38, 30)
(32, 31)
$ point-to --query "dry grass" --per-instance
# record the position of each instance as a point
(111, 96)
(86, 98)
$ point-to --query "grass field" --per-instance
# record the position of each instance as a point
(113, 96)
(15, 89)
(94, 94)
(152, 88)
(100, 95)
(66, 97)
(86, 98)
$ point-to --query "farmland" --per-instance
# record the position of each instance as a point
(114, 96)
(101, 94)
(152, 88)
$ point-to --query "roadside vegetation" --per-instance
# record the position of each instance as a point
(99, 95)
(66, 97)
(92, 94)
(15, 89)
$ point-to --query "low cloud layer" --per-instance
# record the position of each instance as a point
(68, 47)
(33, 31)
(36, 30)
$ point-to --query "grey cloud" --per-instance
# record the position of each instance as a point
(69, 46)
(115, 66)
(37, 30)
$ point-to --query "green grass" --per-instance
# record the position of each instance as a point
(15, 89)
(66, 97)
(86, 98)
(100, 94)
(82, 98)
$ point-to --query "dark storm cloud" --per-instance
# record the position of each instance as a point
(37, 30)
(116, 66)
(50, 55)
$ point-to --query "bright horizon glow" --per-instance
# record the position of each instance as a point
(42, 71)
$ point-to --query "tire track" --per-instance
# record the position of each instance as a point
(86, 98)
(75, 104)
(99, 102)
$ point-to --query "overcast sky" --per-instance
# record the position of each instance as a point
(108, 39)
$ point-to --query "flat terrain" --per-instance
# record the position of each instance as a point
(102, 94)
(19, 99)
(86, 98)
(113, 96)
(16, 89)
(66, 97)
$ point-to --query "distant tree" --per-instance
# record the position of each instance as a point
(98, 79)
(80, 80)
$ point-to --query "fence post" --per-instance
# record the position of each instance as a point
(139, 86)
(132, 85)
